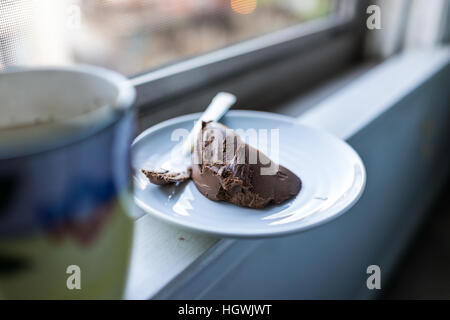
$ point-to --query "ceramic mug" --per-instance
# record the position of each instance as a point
(65, 189)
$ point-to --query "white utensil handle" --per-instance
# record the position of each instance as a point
(219, 105)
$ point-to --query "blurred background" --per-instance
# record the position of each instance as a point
(133, 36)
(283, 56)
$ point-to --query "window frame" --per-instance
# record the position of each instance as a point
(240, 68)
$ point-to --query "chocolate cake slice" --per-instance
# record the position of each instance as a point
(227, 169)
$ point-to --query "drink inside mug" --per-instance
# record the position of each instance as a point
(45, 108)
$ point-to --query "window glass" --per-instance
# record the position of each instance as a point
(133, 36)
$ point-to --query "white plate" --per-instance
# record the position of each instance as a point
(333, 178)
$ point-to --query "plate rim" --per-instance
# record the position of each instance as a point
(259, 233)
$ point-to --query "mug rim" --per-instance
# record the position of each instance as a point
(123, 103)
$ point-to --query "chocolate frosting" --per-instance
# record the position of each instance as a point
(164, 177)
(226, 169)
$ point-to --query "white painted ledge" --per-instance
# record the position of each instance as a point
(359, 103)
(162, 253)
